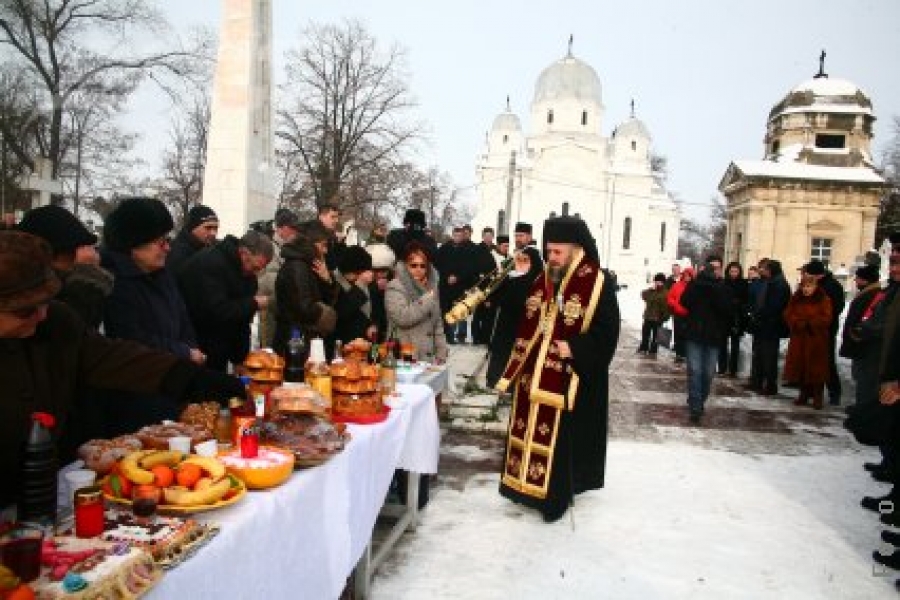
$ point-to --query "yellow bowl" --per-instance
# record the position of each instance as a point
(271, 468)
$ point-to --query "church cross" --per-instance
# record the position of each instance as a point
(571, 39)
(821, 72)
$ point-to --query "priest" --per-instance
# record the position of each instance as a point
(558, 375)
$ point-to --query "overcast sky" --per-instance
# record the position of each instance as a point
(703, 74)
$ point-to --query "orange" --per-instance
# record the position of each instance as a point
(163, 475)
(23, 592)
(188, 474)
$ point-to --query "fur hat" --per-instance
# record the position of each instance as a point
(26, 277)
(199, 215)
(659, 277)
(136, 221)
(354, 259)
(570, 230)
(414, 217)
(60, 228)
(523, 228)
(814, 267)
(382, 256)
(868, 273)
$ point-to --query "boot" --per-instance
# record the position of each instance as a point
(891, 537)
(817, 399)
(803, 398)
(888, 560)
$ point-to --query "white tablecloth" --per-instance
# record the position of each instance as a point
(303, 539)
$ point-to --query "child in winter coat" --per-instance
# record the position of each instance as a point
(656, 312)
(808, 316)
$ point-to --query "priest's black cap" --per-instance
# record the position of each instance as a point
(570, 230)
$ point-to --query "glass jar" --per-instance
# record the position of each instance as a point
(88, 504)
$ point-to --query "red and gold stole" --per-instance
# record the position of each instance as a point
(543, 384)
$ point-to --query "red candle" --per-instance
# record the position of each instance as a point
(88, 512)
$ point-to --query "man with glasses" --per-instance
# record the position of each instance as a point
(220, 289)
(49, 353)
(145, 305)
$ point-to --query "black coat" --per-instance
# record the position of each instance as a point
(352, 322)
(379, 314)
(84, 290)
(853, 345)
(740, 300)
(220, 301)
(835, 293)
(459, 260)
(184, 246)
(774, 295)
(300, 293)
(509, 299)
(709, 307)
(145, 308)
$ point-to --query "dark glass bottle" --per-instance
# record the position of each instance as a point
(295, 358)
(394, 343)
(37, 499)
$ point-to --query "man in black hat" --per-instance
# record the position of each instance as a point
(199, 231)
(413, 230)
(862, 351)
(523, 235)
(75, 260)
(455, 262)
(558, 375)
(835, 293)
(486, 312)
(49, 354)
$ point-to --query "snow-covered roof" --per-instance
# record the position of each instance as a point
(633, 127)
(568, 79)
(824, 95)
(507, 121)
(828, 86)
(825, 107)
(794, 170)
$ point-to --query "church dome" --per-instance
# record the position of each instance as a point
(633, 127)
(568, 79)
(507, 121)
(823, 94)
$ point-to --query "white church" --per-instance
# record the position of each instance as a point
(565, 166)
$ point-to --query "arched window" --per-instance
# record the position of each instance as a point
(565, 209)
(633, 146)
(584, 117)
(552, 214)
(662, 237)
(550, 116)
(501, 221)
(626, 234)
(505, 138)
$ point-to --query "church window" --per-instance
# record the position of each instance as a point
(552, 214)
(776, 146)
(829, 140)
(584, 117)
(821, 250)
(550, 116)
(662, 237)
(565, 209)
(626, 234)
(633, 146)
(501, 220)
(505, 138)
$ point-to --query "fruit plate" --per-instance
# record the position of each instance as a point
(172, 509)
(369, 419)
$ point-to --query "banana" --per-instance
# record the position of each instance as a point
(209, 495)
(8, 579)
(211, 465)
(162, 457)
(131, 468)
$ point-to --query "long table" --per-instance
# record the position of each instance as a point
(304, 538)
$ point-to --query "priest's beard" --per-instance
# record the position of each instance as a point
(557, 274)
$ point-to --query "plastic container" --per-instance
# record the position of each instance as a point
(37, 497)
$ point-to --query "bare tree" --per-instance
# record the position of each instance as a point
(184, 161)
(346, 111)
(66, 46)
(889, 216)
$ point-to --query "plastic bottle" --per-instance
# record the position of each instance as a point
(37, 499)
(318, 375)
(295, 357)
(338, 353)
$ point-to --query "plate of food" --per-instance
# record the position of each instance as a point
(170, 482)
(312, 439)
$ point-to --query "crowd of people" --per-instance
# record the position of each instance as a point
(193, 297)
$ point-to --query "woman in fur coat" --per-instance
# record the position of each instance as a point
(808, 316)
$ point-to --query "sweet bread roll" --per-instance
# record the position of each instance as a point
(338, 369)
(101, 455)
(369, 372)
(361, 386)
(263, 359)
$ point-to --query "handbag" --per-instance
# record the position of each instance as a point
(664, 337)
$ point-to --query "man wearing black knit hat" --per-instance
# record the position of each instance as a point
(354, 275)
(199, 231)
(523, 235)
(558, 375)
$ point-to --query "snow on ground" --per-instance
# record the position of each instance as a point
(675, 521)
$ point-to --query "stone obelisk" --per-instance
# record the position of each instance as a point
(238, 183)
